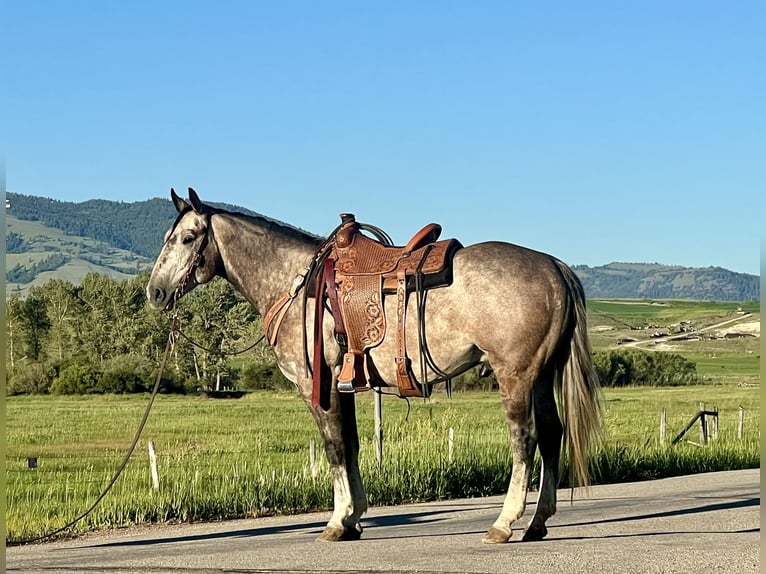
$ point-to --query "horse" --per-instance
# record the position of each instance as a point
(515, 311)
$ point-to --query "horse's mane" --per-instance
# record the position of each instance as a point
(270, 224)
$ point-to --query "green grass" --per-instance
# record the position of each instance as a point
(233, 458)
(724, 364)
(642, 312)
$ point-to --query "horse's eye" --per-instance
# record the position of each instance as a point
(188, 239)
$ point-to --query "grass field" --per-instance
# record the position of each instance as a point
(232, 458)
(642, 312)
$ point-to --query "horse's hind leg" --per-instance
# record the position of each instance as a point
(339, 431)
(549, 431)
(516, 394)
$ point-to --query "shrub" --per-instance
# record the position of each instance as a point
(77, 379)
(127, 374)
(31, 379)
(172, 382)
(643, 368)
(473, 380)
(263, 376)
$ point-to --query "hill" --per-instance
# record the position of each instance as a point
(656, 281)
(36, 253)
(137, 227)
(48, 238)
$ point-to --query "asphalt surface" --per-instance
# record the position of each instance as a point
(699, 523)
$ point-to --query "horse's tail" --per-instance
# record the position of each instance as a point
(579, 389)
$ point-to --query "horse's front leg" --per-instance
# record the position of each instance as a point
(341, 440)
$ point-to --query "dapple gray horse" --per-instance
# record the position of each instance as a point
(517, 311)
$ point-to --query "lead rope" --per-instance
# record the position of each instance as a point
(172, 338)
(221, 353)
(168, 349)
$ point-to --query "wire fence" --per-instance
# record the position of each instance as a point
(35, 469)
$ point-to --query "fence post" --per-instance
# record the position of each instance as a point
(703, 424)
(663, 424)
(313, 457)
(714, 424)
(153, 465)
(450, 445)
(378, 428)
(741, 423)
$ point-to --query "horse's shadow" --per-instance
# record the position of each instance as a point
(307, 527)
(745, 503)
(427, 517)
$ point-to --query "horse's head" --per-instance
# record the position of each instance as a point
(189, 254)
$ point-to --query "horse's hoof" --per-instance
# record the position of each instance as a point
(497, 536)
(331, 534)
(335, 534)
(352, 533)
(533, 534)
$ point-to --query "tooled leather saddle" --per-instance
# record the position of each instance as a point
(353, 271)
(357, 273)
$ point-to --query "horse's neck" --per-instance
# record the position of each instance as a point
(260, 261)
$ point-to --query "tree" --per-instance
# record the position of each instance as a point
(217, 318)
(111, 309)
(12, 327)
(66, 313)
(34, 323)
(104, 332)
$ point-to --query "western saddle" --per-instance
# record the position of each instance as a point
(353, 272)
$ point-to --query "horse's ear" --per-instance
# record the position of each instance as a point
(177, 201)
(195, 201)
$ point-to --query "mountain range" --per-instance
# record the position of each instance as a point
(47, 238)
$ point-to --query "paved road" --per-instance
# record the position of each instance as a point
(700, 523)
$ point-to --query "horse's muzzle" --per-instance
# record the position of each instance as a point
(158, 298)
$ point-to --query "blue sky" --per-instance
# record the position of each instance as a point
(594, 131)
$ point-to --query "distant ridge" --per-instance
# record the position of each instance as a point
(124, 238)
(138, 226)
(657, 281)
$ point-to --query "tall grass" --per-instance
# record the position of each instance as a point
(250, 457)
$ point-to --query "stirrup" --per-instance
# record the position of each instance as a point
(345, 387)
(347, 374)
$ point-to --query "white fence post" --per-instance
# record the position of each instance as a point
(378, 427)
(153, 465)
(313, 457)
(450, 444)
(741, 423)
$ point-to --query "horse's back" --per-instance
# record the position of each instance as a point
(506, 296)
(508, 270)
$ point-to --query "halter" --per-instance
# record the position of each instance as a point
(196, 259)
